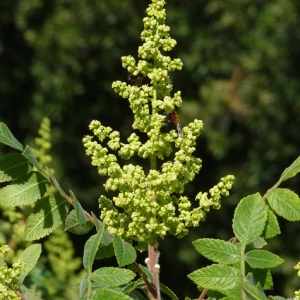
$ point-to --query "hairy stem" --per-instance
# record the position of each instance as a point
(153, 253)
(153, 266)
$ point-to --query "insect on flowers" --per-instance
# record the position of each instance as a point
(171, 121)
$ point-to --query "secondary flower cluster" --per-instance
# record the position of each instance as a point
(9, 277)
(149, 204)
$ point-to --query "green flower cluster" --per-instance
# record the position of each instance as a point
(151, 204)
(9, 277)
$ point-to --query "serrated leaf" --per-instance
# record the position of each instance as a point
(29, 155)
(253, 292)
(231, 294)
(47, 215)
(25, 190)
(125, 253)
(107, 294)
(262, 259)
(91, 248)
(80, 213)
(285, 203)
(217, 250)
(291, 171)
(7, 138)
(250, 218)
(30, 257)
(110, 276)
(216, 277)
(272, 228)
(13, 166)
(72, 225)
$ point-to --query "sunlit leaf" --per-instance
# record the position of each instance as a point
(25, 190)
(47, 215)
(216, 277)
(250, 218)
(110, 276)
(125, 253)
(285, 203)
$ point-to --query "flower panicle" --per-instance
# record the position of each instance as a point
(148, 204)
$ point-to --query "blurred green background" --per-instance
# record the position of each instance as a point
(241, 77)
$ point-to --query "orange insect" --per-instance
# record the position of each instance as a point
(171, 121)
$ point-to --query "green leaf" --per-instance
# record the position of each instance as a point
(291, 171)
(285, 203)
(110, 276)
(263, 276)
(147, 272)
(25, 190)
(47, 215)
(30, 257)
(80, 213)
(216, 277)
(272, 228)
(29, 294)
(72, 225)
(262, 259)
(83, 286)
(253, 292)
(7, 138)
(125, 253)
(29, 155)
(168, 292)
(250, 218)
(106, 238)
(105, 251)
(107, 294)
(218, 251)
(55, 182)
(13, 166)
(259, 243)
(91, 248)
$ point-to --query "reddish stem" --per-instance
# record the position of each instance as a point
(154, 269)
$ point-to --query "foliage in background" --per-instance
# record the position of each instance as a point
(50, 278)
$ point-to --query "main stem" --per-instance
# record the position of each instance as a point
(153, 266)
(153, 253)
